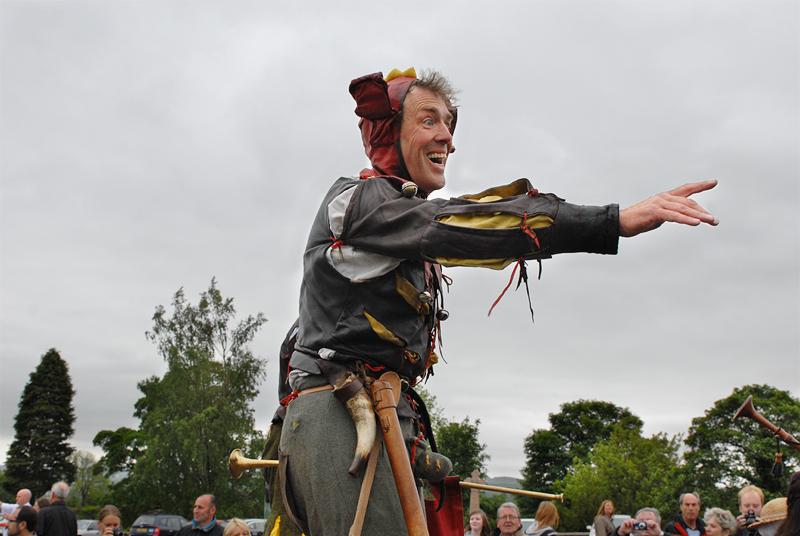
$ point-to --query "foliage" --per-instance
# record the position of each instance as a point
(435, 412)
(459, 442)
(550, 454)
(725, 454)
(40, 454)
(627, 468)
(193, 416)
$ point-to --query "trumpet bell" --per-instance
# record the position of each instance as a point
(238, 464)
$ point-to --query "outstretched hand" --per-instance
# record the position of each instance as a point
(674, 206)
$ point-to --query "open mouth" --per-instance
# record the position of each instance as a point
(437, 158)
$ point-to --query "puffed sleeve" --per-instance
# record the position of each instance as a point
(492, 228)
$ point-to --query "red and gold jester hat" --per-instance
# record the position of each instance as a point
(378, 104)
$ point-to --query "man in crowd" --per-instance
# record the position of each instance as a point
(22, 522)
(751, 500)
(508, 520)
(688, 522)
(57, 519)
(204, 518)
(23, 499)
(371, 299)
(646, 522)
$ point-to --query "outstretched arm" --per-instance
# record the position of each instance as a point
(674, 206)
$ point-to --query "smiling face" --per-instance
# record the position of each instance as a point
(425, 138)
(508, 521)
(475, 522)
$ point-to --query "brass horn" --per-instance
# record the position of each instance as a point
(748, 410)
(238, 464)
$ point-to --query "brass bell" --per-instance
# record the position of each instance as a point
(409, 189)
(442, 314)
(425, 297)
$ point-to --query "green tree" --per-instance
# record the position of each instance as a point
(631, 470)
(435, 412)
(40, 454)
(193, 416)
(551, 454)
(724, 454)
(90, 490)
(459, 442)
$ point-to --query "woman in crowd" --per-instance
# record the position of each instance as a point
(547, 520)
(478, 524)
(602, 521)
(109, 521)
(719, 522)
(236, 527)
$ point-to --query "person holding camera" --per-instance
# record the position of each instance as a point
(646, 522)
(751, 500)
(109, 521)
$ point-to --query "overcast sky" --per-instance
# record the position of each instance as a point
(147, 146)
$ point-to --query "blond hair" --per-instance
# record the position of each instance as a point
(235, 524)
(547, 515)
(602, 510)
(751, 489)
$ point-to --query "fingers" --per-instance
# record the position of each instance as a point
(693, 188)
(692, 210)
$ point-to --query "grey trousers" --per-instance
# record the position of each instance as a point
(318, 441)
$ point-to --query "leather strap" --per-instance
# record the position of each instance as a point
(318, 389)
(366, 488)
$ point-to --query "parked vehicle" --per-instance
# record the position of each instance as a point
(158, 525)
(88, 527)
(256, 526)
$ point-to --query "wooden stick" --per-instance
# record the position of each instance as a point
(536, 494)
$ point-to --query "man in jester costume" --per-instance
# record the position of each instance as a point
(371, 299)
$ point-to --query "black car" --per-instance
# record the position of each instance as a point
(157, 525)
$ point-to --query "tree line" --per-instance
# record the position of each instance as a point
(201, 408)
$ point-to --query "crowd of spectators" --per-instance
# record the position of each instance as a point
(49, 516)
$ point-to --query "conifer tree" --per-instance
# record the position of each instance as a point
(40, 454)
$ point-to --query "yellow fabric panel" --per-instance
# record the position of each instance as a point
(494, 221)
(518, 187)
(397, 73)
(382, 331)
(494, 264)
(409, 293)
(276, 528)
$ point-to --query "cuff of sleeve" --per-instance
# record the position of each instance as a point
(586, 228)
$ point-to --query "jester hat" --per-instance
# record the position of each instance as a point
(378, 104)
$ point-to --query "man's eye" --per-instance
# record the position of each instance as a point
(428, 122)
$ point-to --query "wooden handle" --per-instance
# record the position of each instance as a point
(385, 393)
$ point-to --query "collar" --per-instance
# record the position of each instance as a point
(205, 528)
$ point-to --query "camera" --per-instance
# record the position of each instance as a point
(750, 517)
(118, 532)
(640, 525)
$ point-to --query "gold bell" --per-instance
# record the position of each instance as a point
(409, 189)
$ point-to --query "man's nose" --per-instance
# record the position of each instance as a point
(443, 134)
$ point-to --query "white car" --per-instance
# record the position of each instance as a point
(88, 527)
